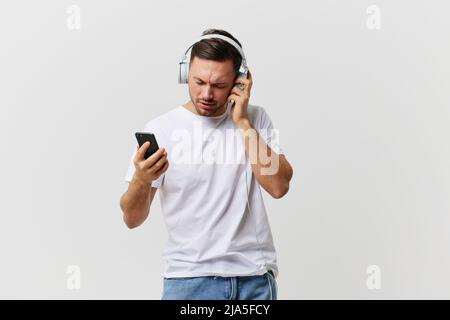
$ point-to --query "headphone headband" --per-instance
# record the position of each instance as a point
(218, 36)
(185, 60)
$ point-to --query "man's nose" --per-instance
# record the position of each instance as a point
(207, 93)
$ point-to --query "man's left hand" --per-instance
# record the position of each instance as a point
(241, 99)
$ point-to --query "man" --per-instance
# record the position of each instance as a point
(220, 245)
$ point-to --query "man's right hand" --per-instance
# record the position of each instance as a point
(148, 170)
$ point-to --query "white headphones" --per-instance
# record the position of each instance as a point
(183, 73)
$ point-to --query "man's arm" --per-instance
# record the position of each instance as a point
(273, 175)
(272, 170)
(136, 202)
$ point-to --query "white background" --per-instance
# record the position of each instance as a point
(363, 117)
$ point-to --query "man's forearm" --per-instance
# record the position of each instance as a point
(272, 171)
(135, 203)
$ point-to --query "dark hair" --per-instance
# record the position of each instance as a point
(217, 49)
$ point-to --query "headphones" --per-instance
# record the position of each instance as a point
(183, 72)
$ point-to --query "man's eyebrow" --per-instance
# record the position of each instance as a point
(213, 83)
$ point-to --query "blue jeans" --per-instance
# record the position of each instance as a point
(262, 287)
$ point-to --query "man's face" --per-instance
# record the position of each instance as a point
(210, 83)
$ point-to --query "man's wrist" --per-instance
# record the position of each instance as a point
(139, 182)
(244, 124)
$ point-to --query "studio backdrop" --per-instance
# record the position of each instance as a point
(360, 94)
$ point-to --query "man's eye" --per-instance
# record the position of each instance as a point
(216, 86)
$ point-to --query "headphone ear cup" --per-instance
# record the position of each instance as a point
(183, 75)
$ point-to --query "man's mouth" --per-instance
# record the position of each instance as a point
(206, 105)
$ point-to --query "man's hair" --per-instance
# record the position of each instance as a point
(217, 49)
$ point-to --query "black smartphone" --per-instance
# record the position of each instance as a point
(143, 137)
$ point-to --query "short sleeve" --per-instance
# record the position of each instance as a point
(267, 131)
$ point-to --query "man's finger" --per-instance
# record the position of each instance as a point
(243, 81)
(154, 157)
(163, 169)
(249, 76)
(236, 91)
(233, 97)
(141, 151)
(246, 82)
(160, 163)
(239, 92)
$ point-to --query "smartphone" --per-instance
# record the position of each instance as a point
(143, 137)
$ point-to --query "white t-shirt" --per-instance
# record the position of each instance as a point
(203, 195)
